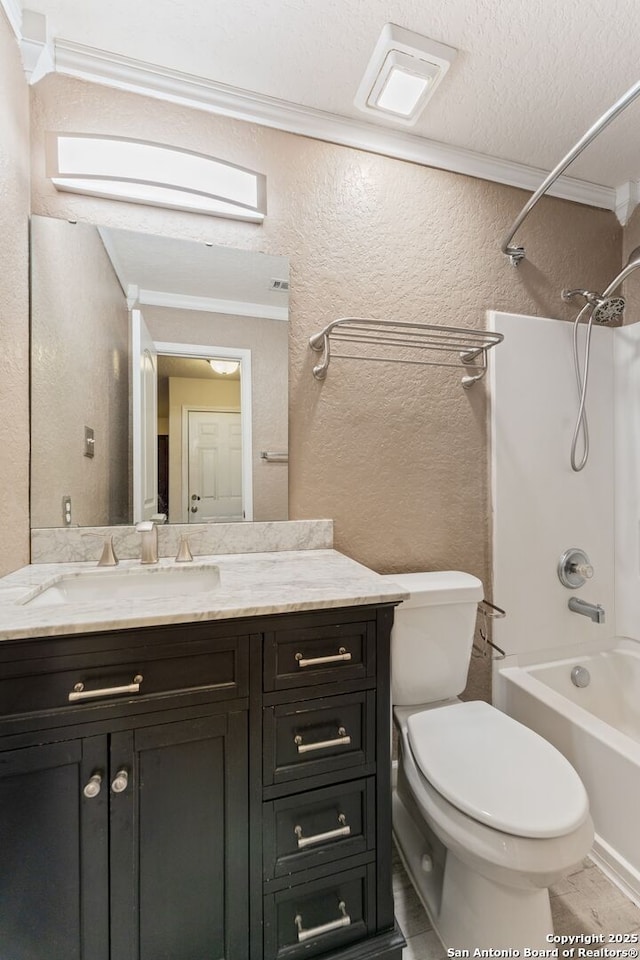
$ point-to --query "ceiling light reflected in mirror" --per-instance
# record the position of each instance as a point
(225, 368)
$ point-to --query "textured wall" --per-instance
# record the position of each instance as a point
(267, 340)
(14, 305)
(396, 455)
(80, 350)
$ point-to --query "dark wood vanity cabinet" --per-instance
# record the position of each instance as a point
(206, 791)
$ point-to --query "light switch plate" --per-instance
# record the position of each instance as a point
(89, 442)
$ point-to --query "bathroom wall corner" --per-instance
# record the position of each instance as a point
(14, 297)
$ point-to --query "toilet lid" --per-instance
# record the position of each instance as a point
(497, 771)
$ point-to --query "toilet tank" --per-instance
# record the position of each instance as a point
(432, 635)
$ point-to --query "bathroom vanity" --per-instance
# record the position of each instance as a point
(210, 787)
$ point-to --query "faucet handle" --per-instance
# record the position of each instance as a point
(108, 556)
(184, 554)
(144, 526)
(574, 568)
(582, 569)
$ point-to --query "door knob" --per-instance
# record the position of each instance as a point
(194, 509)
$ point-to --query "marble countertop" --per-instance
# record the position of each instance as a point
(252, 584)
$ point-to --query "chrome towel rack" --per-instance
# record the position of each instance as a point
(489, 611)
(274, 456)
(405, 342)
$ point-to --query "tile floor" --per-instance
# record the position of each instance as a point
(583, 902)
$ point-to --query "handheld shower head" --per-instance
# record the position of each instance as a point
(604, 309)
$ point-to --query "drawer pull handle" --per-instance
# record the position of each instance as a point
(79, 692)
(343, 921)
(342, 738)
(342, 654)
(93, 785)
(342, 831)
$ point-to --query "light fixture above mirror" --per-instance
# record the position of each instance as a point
(137, 171)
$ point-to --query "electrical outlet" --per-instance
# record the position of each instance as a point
(66, 511)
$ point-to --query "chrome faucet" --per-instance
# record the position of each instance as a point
(594, 611)
(149, 544)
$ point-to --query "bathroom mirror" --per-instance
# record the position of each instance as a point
(158, 378)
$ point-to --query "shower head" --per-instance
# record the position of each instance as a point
(608, 310)
(604, 309)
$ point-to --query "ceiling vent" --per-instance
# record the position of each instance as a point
(403, 74)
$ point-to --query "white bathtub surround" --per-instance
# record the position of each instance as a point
(540, 506)
(597, 727)
(72, 544)
(251, 584)
(627, 479)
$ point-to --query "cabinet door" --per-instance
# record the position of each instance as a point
(53, 852)
(179, 856)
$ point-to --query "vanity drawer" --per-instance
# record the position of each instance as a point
(318, 827)
(318, 736)
(319, 654)
(315, 917)
(125, 675)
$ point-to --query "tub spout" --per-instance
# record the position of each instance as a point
(594, 611)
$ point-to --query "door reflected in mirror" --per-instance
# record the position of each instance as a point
(168, 428)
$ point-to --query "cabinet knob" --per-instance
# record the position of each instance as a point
(93, 785)
(120, 781)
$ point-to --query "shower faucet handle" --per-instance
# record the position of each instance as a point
(574, 568)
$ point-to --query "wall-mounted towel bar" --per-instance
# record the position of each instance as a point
(272, 456)
(489, 611)
(404, 342)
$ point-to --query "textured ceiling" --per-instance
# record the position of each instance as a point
(187, 268)
(529, 79)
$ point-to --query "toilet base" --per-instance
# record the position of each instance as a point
(466, 909)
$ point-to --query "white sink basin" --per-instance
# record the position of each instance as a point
(139, 583)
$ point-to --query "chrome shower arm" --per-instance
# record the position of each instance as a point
(517, 253)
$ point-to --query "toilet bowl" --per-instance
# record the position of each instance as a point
(486, 814)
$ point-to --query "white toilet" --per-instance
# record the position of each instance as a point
(486, 814)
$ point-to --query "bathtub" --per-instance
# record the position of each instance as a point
(597, 727)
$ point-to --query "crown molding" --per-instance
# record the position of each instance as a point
(627, 199)
(124, 73)
(13, 13)
(236, 308)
